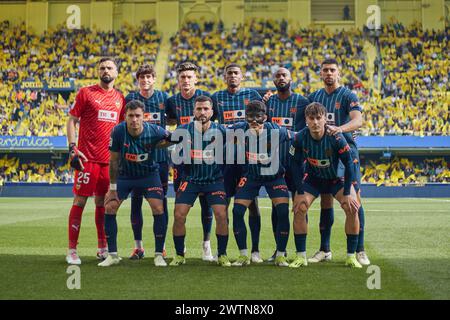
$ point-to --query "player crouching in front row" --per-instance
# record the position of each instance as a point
(262, 168)
(323, 173)
(131, 168)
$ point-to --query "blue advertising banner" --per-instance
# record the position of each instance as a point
(32, 143)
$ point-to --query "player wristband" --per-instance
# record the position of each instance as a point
(113, 186)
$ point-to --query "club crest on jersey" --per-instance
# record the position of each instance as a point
(293, 110)
(328, 152)
(118, 104)
(337, 105)
(161, 106)
(246, 101)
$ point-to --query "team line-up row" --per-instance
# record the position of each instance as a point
(317, 153)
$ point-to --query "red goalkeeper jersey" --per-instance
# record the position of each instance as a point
(99, 111)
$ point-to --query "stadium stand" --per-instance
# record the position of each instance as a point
(400, 171)
(413, 67)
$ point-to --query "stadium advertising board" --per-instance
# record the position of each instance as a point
(32, 143)
(51, 85)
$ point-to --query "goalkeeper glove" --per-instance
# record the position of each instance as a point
(76, 157)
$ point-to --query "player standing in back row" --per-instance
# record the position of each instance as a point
(97, 109)
(287, 109)
(181, 110)
(343, 116)
(229, 107)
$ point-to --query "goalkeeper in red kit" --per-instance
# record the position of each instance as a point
(97, 109)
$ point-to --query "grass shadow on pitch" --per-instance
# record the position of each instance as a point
(45, 277)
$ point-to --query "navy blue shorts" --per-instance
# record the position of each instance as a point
(288, 177)
(163, 177)
(232, 173)
(316, 186)
(188, 192)
(248, 188)
(148, 187)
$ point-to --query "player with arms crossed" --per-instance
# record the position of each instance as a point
(132, 169)
(180, 111)
(262, 168)
(325, 157)
(202, 175)
(155, 103)
(229, 108)
(287, 109)
(97, 109)
(343, 116)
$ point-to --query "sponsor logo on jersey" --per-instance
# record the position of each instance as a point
(258, 157)
(186, 119)
(107, 116)
(202, 154)
(291, 150)
(152, 117)
(136, 157)
(284, 122)
(234, 115)
(319, 163)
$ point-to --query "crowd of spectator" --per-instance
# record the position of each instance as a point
(262, 46)
(58, 55)
(13, 169)
(414, 95)
(413, 66)
(399, 171)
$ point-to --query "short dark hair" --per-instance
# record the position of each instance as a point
(186, 66)
(134, 104)
(256, 106)
(232, 65)
(330, 61)
(315, 109)
(145, 69)
(203, 99)
(108, 59)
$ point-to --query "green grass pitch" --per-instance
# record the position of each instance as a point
(407, 239)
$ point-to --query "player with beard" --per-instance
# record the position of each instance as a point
(180, 110)
(229, 108)
(287, 109)
(97, 109)
(202, 174)
(344, 115)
